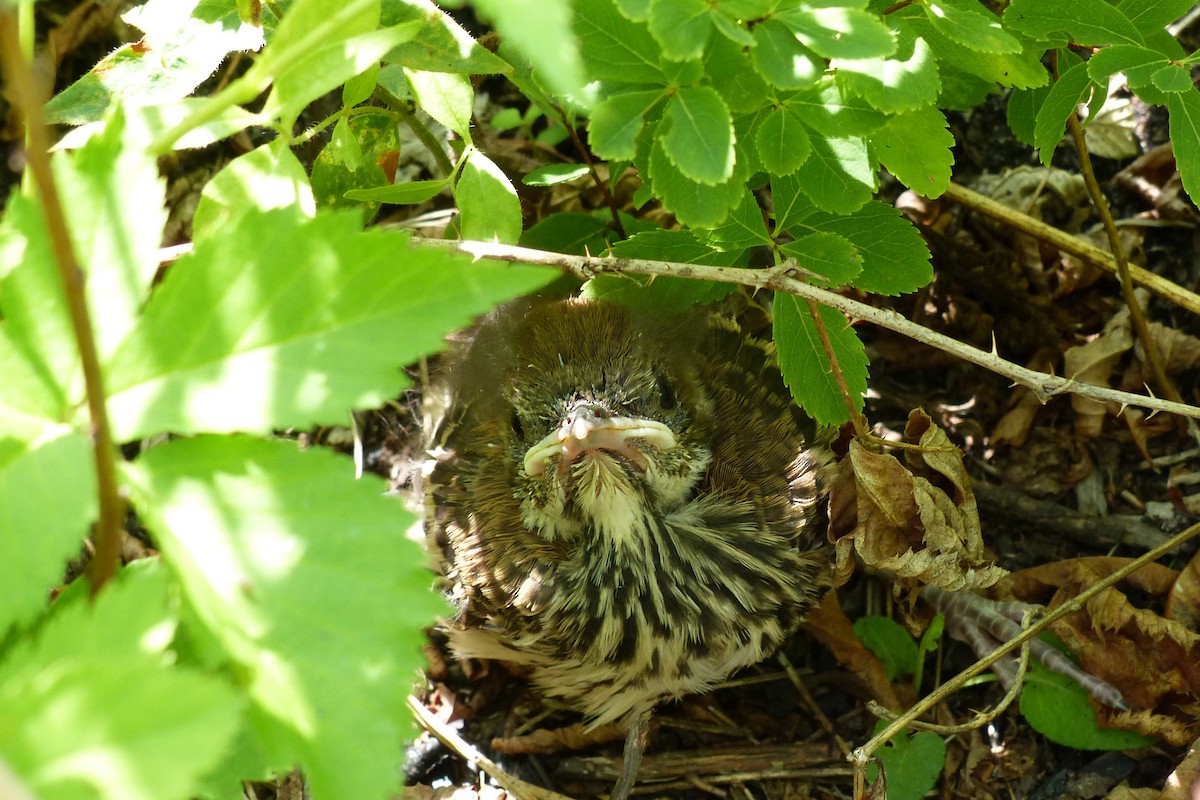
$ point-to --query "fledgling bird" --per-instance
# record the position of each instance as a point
(632, 507)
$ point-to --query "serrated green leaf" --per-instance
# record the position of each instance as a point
(1019, 70)
(730, 28)
(677, 246)
(616, 122)
(47, 497)
(266, 178)
(828, 255)
(1153, 15)
(161, 117)
(258, 328)
(327, 67)
(1184, 108)
(1085, 22)
(782, 141)
(732, 73)
(538, 29)
(782, 60)
(95, 711)
(441, 45)
(359, 88)
(890, 643)
(400, 194)
(1023, 106)
(696, 204)
(805, 365)
(745, 227)
(1138, 63)
(893, 84)
(1058, 708)
(895, 258)
(699, 139)
(445, 96)
(615, 48)
(278, 549)
(487, 202)
(913, 764)
(917, 147)
(185, 42)
(840, 174)
(681, 27)
(1173, 78)
(569, 232)
(839, 32)
(831, 110)
(636, 10)
(789, 202)
(971, 25)
(1063, 98)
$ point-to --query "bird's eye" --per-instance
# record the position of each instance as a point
(517, 427)
(666, 395)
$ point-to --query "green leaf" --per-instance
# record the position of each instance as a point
(266, 178)
(893, 84)
(699, 136)
(891, 643)
(1085, 22)
(1138, 63)
(258, 328)
(555, 174)
(359, 88)
(913, 764)
(1023, 107)
(895, 258)
(89, 718)
(117, 231)
(840, 174)
(487, 201)
(1064, 97)
(805, 366)
(333, 179)
(1184, 108)
(744, 229)
(47, 501)
(343, 146)
(839, 32)
(780, 57)
(613, 47)
(789, 202)
(681, 27)
(1058, 708)
(828, 255)
(731, 72)
(157, 119)
(782, 141)
(916, 147)
(636, 10)
(185, 42)
(1020, 70)
(569, 232)
(831, 110)
(617, 121)
(971, 25)
(538, 28)
(1149, 16)
(445, 96)
(441, 45)
(678, 246)
(693, 203)
(400, 194)
(1173, 78)
(278, 551)
(731, 28)
(328, 66)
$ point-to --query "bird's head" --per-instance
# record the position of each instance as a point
(599, 421)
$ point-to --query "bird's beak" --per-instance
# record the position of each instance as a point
(584, 429)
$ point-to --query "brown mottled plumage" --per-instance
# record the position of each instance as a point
(628, 506)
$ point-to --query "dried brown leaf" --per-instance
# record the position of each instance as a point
(572, 737)
(1093, 363)
(830, 626)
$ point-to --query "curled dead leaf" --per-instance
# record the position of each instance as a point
(1093, 363)
(919, 522)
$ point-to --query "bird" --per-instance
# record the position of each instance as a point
(628, 504)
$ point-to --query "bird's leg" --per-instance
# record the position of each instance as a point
(635, 743)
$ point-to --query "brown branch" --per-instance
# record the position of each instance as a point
(783, 279)
(26, 99)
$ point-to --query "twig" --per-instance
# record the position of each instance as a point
(1071, 244)
(23, 88)
(781, 279)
